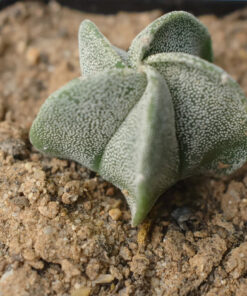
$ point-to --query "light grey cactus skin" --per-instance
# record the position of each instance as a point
(147, 118)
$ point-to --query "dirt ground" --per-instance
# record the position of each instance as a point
(63, 229)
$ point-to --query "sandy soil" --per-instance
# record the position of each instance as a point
(64, 230)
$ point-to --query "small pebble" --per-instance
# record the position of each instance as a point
(36, 264)
(71, 192)
(115, 214)
(125, 253)
(110, 191)
(29, 254)
(92, 269)
(87, 205)
(49, 211)
(104, 279)
(83, 291)
(69, 269)
(33, 56)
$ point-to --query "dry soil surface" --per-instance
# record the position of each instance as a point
(64, 230)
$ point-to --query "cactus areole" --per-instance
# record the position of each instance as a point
(146, 118)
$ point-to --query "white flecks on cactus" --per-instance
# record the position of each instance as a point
(176, 31)
(137, 145)
(150, 117)
(79, 120)
(210, 112)
(96, 52)
(122, 53)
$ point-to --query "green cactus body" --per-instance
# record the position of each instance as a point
(146, 118)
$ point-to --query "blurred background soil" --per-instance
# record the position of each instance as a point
(63, 229)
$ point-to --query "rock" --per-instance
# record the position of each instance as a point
(236, 264)
(69, 269)
(71, 192)
(115, 214)
(110, 191)
(83, 291)
(139, 264)
(125, 253)
(50, 210)
(33, 56)
(92, 269)
(104, 279)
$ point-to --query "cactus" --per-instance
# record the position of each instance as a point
(146, 118)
